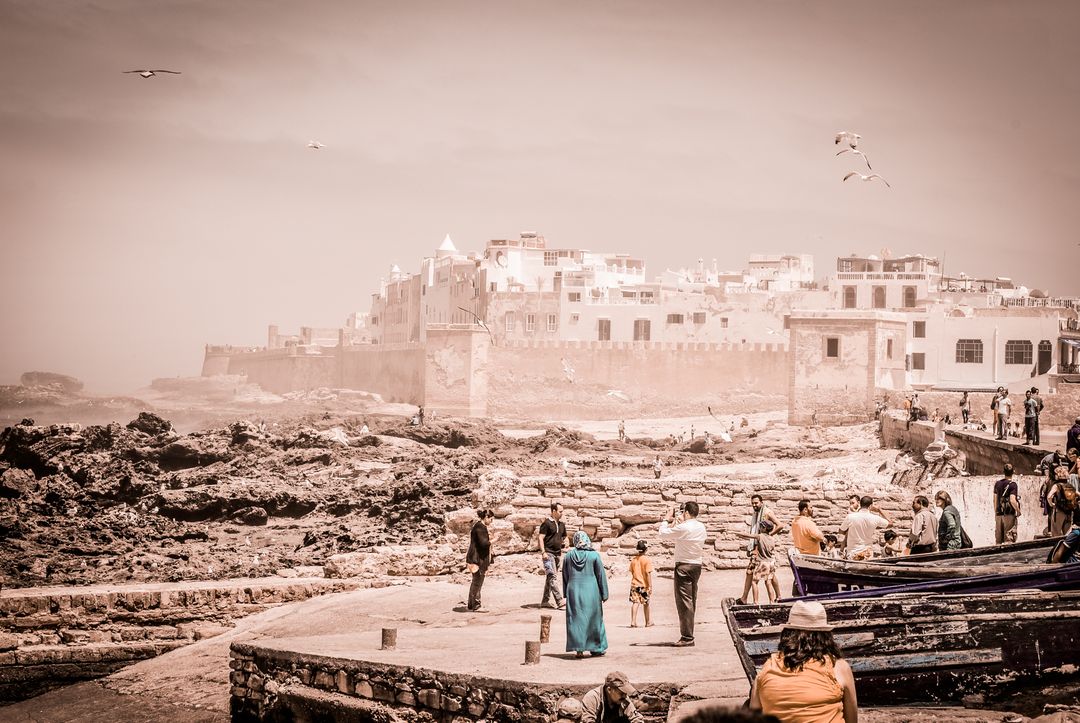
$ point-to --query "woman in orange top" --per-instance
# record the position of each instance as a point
(806, 681)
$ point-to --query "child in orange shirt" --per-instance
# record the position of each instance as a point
(640, 584)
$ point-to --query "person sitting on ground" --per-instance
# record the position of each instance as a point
(924, 528)
(949, 529)
(641, 569)
(860, 529)
(806, 680)
(611, 702)
(892, 546)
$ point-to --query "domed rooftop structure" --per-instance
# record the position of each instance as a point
(1038, 294)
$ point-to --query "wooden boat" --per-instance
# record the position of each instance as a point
(921, 647)
(819, 575)
(1046, 578)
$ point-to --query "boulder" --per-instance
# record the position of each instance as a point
(251, 516)
(495, 488)
(396, 560)
(150, 423)
(16, 482)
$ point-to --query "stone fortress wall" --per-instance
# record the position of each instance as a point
(459, 372)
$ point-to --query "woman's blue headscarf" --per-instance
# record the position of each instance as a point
(582, 541)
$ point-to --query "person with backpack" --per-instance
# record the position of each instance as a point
(1006, 507)
(1055, 466)
(1062, 499)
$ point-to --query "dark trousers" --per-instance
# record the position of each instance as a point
(1029, 430)
(1035, 430)
(474, 589)
(965, 414)
(686, 586)
(923, 549)
(552, 581)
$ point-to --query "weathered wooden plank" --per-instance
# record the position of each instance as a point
(768, 646)
(921, 660)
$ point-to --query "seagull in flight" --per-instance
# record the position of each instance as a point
(315, 144)
(871, 177)
(857, 153)
(152, 73)
(849, 138)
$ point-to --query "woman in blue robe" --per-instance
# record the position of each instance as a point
(585, 589)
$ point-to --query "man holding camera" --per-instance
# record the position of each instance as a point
(689, 537)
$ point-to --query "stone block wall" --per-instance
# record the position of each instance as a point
(270, 685)
(56, 636)
(618, 512)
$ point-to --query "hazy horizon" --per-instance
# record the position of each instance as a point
(142, 218)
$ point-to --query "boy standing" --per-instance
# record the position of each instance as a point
(641, 569)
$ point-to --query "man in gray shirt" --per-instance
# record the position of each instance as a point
(923, 537)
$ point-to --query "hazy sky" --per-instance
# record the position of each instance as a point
(140, 219)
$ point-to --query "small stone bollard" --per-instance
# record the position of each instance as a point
(532, 652)
(545, 628)
(389, 638)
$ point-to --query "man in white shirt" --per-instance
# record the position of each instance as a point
(689, 537)
(860, 529)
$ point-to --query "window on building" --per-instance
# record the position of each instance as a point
(918, 361)
(675, 318)
(849, 297)
(723, 322)
(575, 318)
(699, 317)
(1018, 351)
(832, 347)
(603, 329)
(509, 321)
(844, 266)
(553, 322)
(374, 321)
(551, 258)
(969, 351)
(910, 293)
(494, 286)
(888, 348)
(647, 297)
(787, 321)
(879, 297)
(642, 329)
(918, 329)
(574, 296)
(530, 323)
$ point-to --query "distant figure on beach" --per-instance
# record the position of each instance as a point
(965, 407)
(657, 467)
(641, 569)
(806, 679)
(611, 702)
(622, 430)
(420, 414)
(1006, 507)
(479, 556)
(585, 589)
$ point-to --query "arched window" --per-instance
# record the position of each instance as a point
(879, 297)
(909, 297)
(1018, 351)
(969, 351)
(849, 297)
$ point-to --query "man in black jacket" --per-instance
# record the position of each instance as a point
(479, 556)
(1073, 436)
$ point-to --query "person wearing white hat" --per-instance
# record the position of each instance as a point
(806, 680)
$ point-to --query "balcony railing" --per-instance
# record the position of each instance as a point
(881, 276)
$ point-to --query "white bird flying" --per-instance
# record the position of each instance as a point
(871, 177)
(847, 137)
(858, 153)
(315, 144)
(568, 371)
(152, 73)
